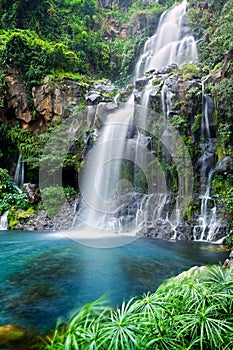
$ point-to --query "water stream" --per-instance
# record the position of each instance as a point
(103, 190)
(172, 42)
(208, 224)
(4, 221)
(19, 173)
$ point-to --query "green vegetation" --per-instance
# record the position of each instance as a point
(189, 71)
(223, 114)
(213, 27)
(222, 187)
(32, 147)
(18, 215)
(9, 195)
(55, 36)
(186, 312)
(55, 196)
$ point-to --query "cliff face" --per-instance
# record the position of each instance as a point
(36, 109)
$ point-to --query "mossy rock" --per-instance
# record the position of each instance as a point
(18, 337)
(11, 333)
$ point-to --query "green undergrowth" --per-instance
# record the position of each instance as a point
(16, 216)
(191, 311)
(9, 194)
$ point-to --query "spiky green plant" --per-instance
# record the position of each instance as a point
(192, 312)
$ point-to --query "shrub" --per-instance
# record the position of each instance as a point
(54, 197)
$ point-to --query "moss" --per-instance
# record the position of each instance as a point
(156, 82)
(189, 71)
(191, 209)
(16, 216)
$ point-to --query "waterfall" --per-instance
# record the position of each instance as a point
(3, 221)
(19, 172)
(207, 224)
(101, 188)
(106, 198)
(172, 42)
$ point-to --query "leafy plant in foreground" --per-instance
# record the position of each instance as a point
(191, 312)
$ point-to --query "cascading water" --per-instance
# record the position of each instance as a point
(171, 44)
(3, 221)
(103, 199)
(100, 182)
(19, 172)
(207, 225)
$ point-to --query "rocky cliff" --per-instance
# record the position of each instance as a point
(37, 108)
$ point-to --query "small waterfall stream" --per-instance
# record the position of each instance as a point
(207, 224)
(3, 221)
(100, 181)
(19, 172)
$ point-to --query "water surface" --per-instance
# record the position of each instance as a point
(44, 276)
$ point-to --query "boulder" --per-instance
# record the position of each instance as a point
(93, 98)
(225, 166)
(102, 112)
(17, 337)
(140, 83)
(229, 261)
(32, 191)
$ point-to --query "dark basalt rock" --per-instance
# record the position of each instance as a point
(140, 83)
(93, 98)
(225, 166)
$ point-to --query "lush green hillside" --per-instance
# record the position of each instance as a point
(56, 29)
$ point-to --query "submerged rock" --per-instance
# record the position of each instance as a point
(18, 337)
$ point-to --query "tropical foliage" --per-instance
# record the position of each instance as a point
(10, 197)
(211, 23)
(186, 312)
(53, 35)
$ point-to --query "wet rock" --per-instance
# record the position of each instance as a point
(41, 221)
(93, 98)
(32, 191)
(138, 96)
(225, 166)
(105, 86)
(229, 261)
(203, 5)
(161, 229)
(102, 112)
(17, 337)
(125, 93)
(140, 83)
